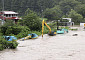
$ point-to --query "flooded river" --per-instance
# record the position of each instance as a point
(59, 47)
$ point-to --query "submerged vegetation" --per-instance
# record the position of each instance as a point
(74, 29)
(4, 44)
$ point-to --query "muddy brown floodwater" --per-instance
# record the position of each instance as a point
(59, 47)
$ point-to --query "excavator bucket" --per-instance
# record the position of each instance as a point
(52, 33)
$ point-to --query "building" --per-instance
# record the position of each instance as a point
(66, 22)
(7, 15)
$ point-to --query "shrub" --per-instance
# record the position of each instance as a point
(7, 30)
(64, 27)
(1, 47)
(3, 29)
(22, 34)
(36, 32)
(12, 44)
(7, 44)
(32, 21)
(74, 29)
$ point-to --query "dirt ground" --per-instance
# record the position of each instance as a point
(59, 47)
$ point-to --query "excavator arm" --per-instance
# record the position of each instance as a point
(50, 32)
(48, 27)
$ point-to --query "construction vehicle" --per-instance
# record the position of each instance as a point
(62, 31)
(30, 36)
(10, 38)
(51, 33)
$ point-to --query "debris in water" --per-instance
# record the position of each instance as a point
(75, 34)
(70, 55)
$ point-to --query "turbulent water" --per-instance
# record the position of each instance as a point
(59, 47)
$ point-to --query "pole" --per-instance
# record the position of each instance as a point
(3, 12)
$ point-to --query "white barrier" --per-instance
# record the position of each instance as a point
(82, 24)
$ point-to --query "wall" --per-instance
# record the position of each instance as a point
(82, 24)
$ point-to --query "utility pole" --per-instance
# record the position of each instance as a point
(3, 12)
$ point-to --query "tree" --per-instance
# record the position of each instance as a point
(32, 21)
(53, 13)
(82, 1)
(80, 9)
(77, 18)
(67, 5)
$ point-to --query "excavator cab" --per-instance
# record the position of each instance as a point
(51, 33)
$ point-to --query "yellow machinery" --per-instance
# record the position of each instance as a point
(27, 37)
(51, 33)
(84, 26)
(30, 36)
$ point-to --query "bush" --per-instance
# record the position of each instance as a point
(20, 29)
(74, 29)
(1, 47)
(65, 27)
(7, 30)
(7, 44)
(12, 44)
(22, 34)
(36, 32)
(32, 21)
(3, 29)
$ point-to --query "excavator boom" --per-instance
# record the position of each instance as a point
(50, 32)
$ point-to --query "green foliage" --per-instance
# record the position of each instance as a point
(46, 30)
(7, 30)
(80, 9)
(7, 44)
(3, 43)
(36, 32)
(77, 18)
(32, 21)
(24, 34)
(12, 44)
(20, 22)
(9, 23)
(64, 27)
(3, 29)
(1, 47)
(67, 5)
(50, 9)
(82, 1)
(28, 11)
(21, 6)
(53, 13)
(43, 19)
(74, 29)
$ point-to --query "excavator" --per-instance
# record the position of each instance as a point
(51, 33)
(30, 36)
